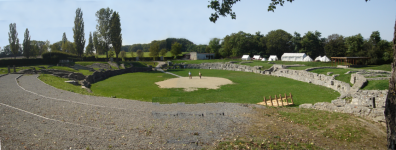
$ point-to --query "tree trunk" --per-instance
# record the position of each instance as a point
(116, 57)
(390, 104)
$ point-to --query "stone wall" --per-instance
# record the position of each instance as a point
(360, 101)
(314, 78)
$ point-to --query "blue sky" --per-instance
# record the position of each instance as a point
(143, 21)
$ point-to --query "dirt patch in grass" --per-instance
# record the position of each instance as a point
(294, 128)
(193, 84)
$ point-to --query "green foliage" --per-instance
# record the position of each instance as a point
(111, 54)
(163, 52)
(311, 44)
(214, 45)
(278, 42)
(90, 47)
(78, 32)
(64, 43)
(139, 53)
(335, 46)
(123, 55)
(154, 50)
(146, 90)
(13, 39)
(176, 49)
(115, 33)
(54, 57)
(103, 27)
(26, 44)
(377, 85)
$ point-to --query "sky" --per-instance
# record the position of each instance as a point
(143, 21)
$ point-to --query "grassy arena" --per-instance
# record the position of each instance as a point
(247, 88)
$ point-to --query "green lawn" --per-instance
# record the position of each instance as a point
(386, 67)
(247, 88)
(342, 76)
(4, 70)
(145, 54)
(377, 85)
(84, 72)
(86, 63)
(60, 84)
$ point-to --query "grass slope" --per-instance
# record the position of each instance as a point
(59, 83)
(247, 88)
(377, 85)
(342, 76)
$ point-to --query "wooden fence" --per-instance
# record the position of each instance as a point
(278, 101)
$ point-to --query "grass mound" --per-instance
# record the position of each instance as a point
(294, 128)
(377, 85)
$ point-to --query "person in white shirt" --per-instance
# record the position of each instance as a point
(189, 75)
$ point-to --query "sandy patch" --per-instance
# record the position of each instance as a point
(194, 83)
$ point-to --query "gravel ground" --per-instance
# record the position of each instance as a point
(35, 115)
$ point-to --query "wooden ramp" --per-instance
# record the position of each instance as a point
(278, 101)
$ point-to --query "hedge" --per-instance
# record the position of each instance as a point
(21, 62)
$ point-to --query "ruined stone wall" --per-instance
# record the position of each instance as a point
(314, 78)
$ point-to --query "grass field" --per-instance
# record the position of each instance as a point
(60, 84)
(377, 85)
(342, 76)
(247, 88)
(145, 54)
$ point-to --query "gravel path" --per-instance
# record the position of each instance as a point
(35, 115)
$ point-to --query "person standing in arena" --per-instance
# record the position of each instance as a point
(189, 75)
(200, 74)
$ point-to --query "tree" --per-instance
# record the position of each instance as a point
(35, 48)
(296, 41)
(139, 54)
(130, 49)
(115, 33)
(123, 55)
(335, 46)
(176, 49)
(207, 49)
(311, 44)
(354, 45)
(13, 39)
(97, 44)
(103, 27)
(225, 8)
(111, 53)
(64, 43)
(390, 103)
(78, 30)
(46, 47)
(90, 47)
(26, 44)
(154, 49)
(163, 52)
(215, 46)
(278, 42)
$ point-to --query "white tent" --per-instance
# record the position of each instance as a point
(307, 59)
(293, 56)
(263, 59)
(273, 58)
(245, 57)
(324, 59)
(256, 57)
(318, 58)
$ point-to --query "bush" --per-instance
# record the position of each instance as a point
(54, 57)
(21, 62)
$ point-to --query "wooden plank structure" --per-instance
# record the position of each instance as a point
(278, 101)
(347, 61)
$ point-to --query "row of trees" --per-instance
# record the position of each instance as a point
(108, 36)
(277, 42)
